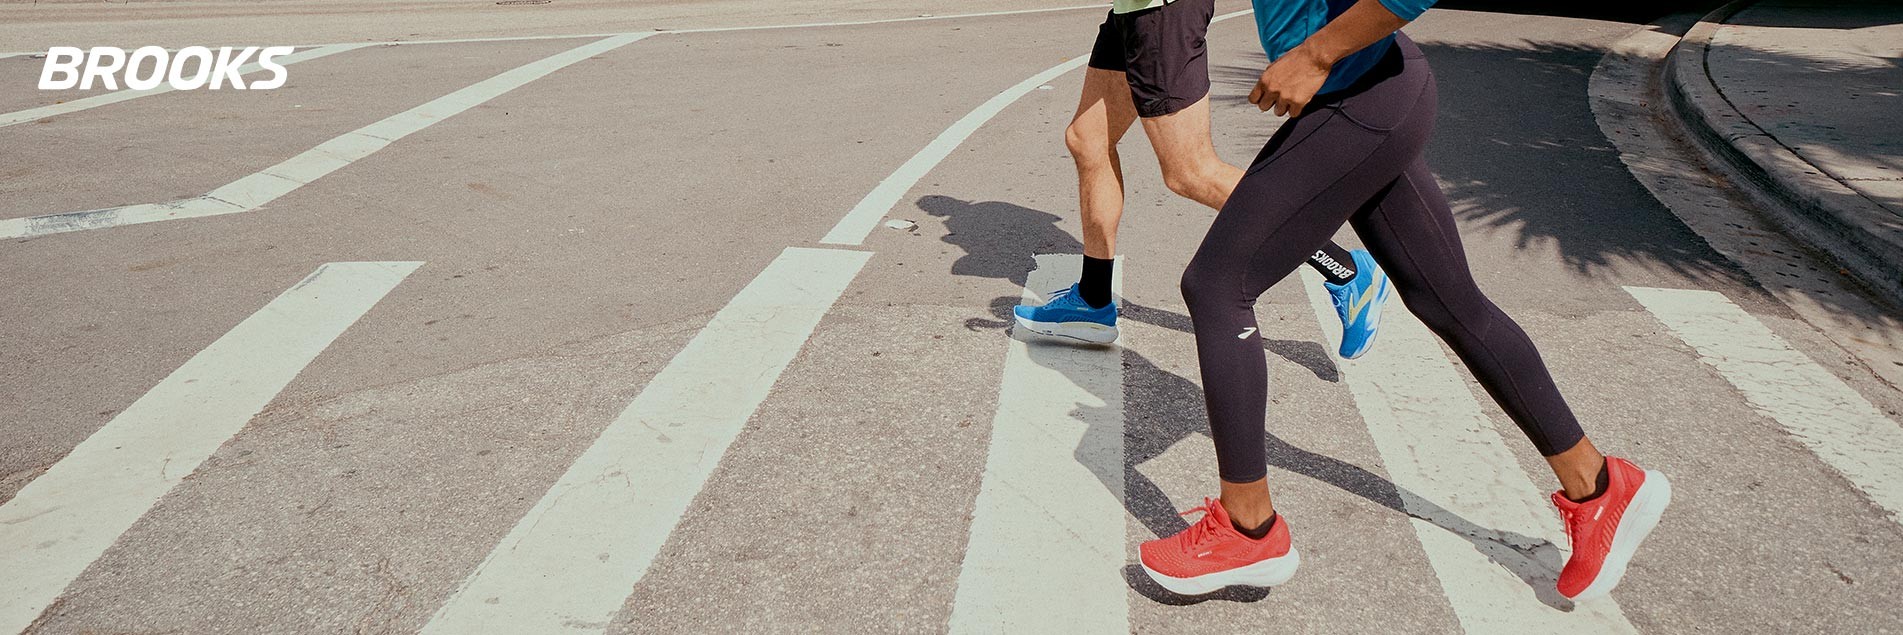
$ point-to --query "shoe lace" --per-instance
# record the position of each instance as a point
(1054, 295)
(1207, 528)
(1572, 518)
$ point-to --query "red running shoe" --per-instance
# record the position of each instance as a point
(1605, 531)
(1211, 555)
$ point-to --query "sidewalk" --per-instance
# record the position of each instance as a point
(1805, 100)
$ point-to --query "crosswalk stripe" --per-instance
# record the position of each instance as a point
(1842, 428)
(117, 96)
(570, 563)
(62, 521)
(1047, 534)
(1481, 520)
(261, 187)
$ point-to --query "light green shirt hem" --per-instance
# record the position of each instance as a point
(1126, 6)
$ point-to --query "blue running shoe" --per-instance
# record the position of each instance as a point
(1358, 302)
(1066, 314)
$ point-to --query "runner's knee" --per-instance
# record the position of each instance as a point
(1189, 181)
(1451, 312)
(1206, 285)
(1088, 143)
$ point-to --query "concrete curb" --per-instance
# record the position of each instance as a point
(1840, 223)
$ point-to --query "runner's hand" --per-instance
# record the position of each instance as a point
(1289, 83)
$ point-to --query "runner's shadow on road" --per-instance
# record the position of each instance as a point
(1000, 240)
(1161, 409)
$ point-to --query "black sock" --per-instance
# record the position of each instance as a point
(1257, 533)
(1095, 283)
(1334, 263)
(1599, 489)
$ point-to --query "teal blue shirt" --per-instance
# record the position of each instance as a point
(1283, 24)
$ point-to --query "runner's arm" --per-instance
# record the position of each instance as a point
(1291, 81)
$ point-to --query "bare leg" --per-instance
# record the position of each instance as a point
(1578, 469)
(1191, 168)
(1104, 113)
(1248, 503)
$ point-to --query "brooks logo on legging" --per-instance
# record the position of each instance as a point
(1334, 266)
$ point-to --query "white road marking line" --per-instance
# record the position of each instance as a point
(95, 101)
(253, 191)
(1487, 529)
(922, 18)
(859, 222)
(62, 521)
(1047, 535)
(570, 563)
(1842, 428)
(852, 229)
(717, 29)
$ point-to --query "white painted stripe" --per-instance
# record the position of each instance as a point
(62, 521)
(852, 229)
(1845, 430)
(1489, 532)
(253, 191)
(1046, 551)
(571, 562)
(922, 18)
(95, 101)
(718, 29)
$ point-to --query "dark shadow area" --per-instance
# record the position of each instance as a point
(1628, 11)
(1140, 582)
(1531, 160)
(1518, 150)
(1000, 241)
(1832, 14)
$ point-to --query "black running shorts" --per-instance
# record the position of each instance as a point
(1161, 51)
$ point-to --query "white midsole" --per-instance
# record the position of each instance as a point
(1266, 573)
(1086, 331)
(1641, 515)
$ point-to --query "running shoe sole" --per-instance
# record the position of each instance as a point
(1647, 505)
(1267, 573)
(1366, 345)
(1081, 331)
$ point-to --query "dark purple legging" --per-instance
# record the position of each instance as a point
(1355, 157)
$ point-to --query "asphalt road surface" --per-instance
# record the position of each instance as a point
(704, 329)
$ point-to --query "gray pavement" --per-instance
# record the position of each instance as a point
(1800, 97)
(1823, 79)
(579, 232)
